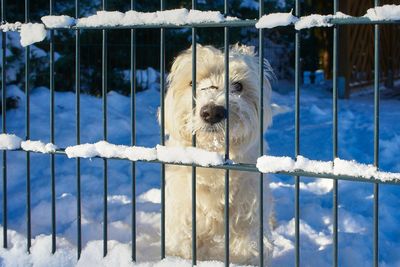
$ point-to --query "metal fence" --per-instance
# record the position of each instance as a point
(241, 167)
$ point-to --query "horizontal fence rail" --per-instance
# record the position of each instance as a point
(230, 24)
(3, 124)
(251, 168)
(222, 24)
(228, 166)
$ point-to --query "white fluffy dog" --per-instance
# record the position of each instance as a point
(207, 121)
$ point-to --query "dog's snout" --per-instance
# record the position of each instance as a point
(212, 114)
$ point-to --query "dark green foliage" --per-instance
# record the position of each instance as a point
(316, 41)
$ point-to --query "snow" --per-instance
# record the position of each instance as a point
(316, 20)
(317, 187)
(230, 18)
(9, 141)
(176, 16)
(180, 16)
(141, 153)
(345, 167)
(197, 16)
(152, 196)
(272, 164)
(386, 12)
(283, 19)
(32, 33)
(186, 155)
(104, 149)
(189, 155)
(81, 151)
(276, 19)
(36, 32)
(315, 166)
(102, 18)
(119, 254)
(11, 26)
(107, 150)
(119, 199)
(146, 78)
(61, 21)
(38, 146)
(133, 17)
(355, 141)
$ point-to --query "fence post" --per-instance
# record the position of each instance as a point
(194, 85)
(105, 166)
(78, 135)
(227, 83)
(162, 137)
(261, 135)
(3, 119)
(376, 139)
(297, 137)
(52, 162)
(27, 136)
(133, 134)
(335, 133)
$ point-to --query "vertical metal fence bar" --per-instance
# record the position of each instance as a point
(27, 136)
(133, 136)
(261, 141)
(376, 140)
(335, 135)
(226, 211)
(52, 163)
(105, 171)
(297, 138)
(3, 122)
(78, 135)
(162, 131)
(194, 80)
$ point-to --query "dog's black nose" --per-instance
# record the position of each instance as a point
(212, 114)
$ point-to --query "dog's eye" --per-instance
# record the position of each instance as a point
(210, 87)
(237, 87)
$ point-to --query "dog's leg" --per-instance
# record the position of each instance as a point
(178, 224)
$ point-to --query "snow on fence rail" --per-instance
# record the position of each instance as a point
(103, 149)
(271, 164)
(36, 32)
(200, 157)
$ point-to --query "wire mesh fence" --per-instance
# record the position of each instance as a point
(226, 25)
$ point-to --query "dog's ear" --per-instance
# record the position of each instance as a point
(198, 46)
(269, 77)
(184, 58)
(159, 123)
(269, 73)
(180, 62)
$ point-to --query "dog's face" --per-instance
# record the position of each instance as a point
(208, 119)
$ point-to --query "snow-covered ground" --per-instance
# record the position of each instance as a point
(355, 199)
